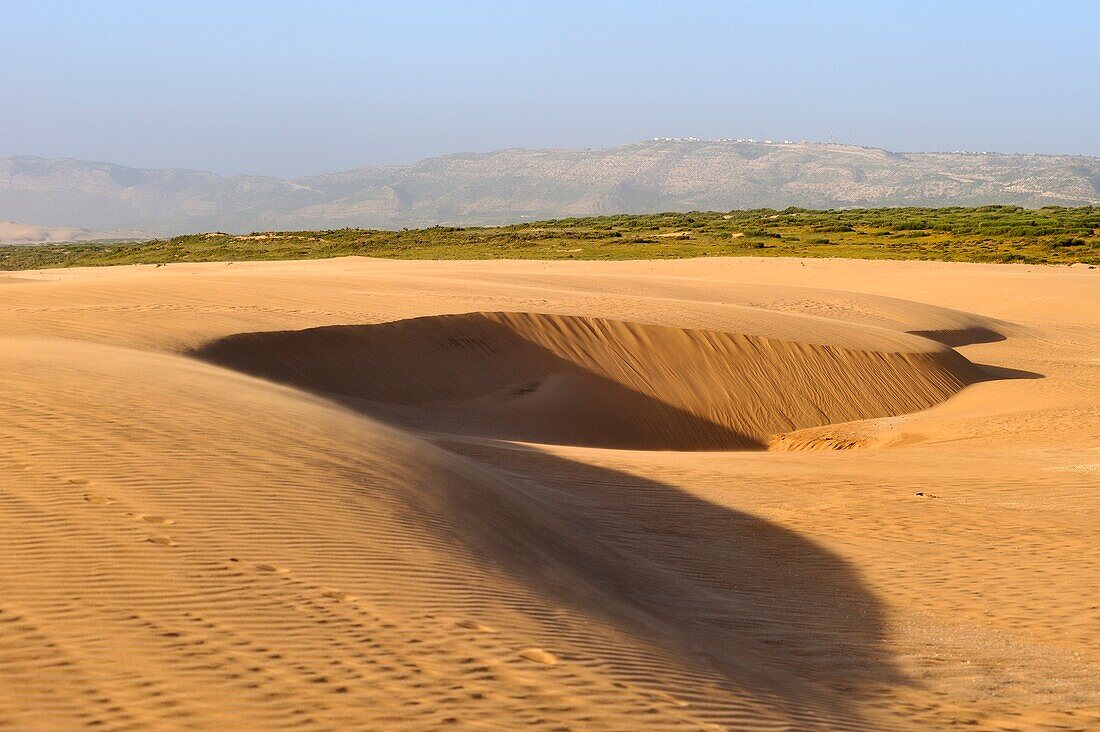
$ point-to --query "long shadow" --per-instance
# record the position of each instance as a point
(974, 335)
(743, 604)
(999, 373)
(772, 615)
(961, 336)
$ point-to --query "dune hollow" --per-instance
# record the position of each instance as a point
(597, 382)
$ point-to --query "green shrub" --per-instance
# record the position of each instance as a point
(1065, 242)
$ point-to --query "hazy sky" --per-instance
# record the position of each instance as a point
(305, 87)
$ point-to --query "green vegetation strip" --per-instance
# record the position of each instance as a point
(1052, 235)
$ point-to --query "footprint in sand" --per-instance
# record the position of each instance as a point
(474, 625)
(159, 520)
(538, 656)
(162, 540)
(330, 592)
(98, 500)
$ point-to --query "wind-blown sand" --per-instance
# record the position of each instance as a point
(362, 494)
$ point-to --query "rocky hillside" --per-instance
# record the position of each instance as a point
(518, 185)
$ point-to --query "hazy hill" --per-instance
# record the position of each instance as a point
(516, 185)
(13, 233)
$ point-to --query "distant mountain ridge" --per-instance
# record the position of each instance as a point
(519, 184)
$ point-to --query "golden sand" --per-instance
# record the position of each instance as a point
(703, 494)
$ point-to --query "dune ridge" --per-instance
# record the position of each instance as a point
(293, 514)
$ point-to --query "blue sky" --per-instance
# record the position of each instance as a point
(293, 88)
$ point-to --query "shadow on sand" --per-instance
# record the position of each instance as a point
(750, 611)
(972, 336)
(469, 375)
(1003, 373)
(741, 603)
(961, 336)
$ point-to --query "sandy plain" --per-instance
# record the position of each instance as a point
(739, 494)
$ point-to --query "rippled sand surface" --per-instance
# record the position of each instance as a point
(739, 494)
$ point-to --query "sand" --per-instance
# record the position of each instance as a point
(739, 494)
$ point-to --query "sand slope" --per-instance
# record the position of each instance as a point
(297, 486)
(598, 382)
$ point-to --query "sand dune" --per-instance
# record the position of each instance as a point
(385, 495)
(604, 383)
